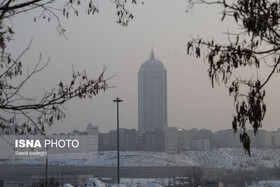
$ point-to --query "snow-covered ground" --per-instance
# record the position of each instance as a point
(95, 183)
(144, 182)
(228, 158)
(125, 183)
(269, 183)
(68, 185)
(109, 158)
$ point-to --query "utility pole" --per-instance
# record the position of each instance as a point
(46, 177)
(62, 177)
(117, 100)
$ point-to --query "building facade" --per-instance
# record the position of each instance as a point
(201, 145)
(152, 95)
(276, 139)
(153, 140)
(184, 140)
(92, 132)
(171, 140)
(264, 138)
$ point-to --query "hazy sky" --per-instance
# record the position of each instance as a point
(94, 41)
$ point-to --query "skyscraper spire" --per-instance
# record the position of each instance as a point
(152, 55)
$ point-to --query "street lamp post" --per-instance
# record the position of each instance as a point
(46, 174)
(117, 100)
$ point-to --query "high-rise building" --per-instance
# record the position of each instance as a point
(152, 95)
(227, 138)
(153, 140)
(276, 139)
(171, 140)
(201, 145)
(92, 137)
(264, 138)
(184, 140)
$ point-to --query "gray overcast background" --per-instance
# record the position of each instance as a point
(97, 40)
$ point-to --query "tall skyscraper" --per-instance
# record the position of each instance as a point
(152, 95)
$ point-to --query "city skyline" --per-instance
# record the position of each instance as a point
(140, 93)
(191, 100)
